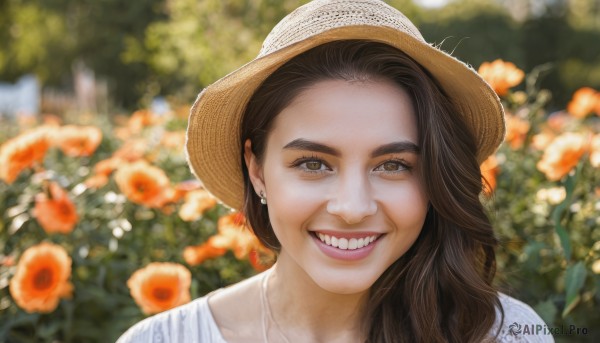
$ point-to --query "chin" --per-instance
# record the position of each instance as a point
(344, 283)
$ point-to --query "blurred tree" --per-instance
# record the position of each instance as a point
(584, 14)
(484, 30)
(204, 40)
(573, 52)
(103, 28)
(474, 31)
(33, 40)
(175, 47)
(47, 37)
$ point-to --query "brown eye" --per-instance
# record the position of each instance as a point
(391, 166)
(313, 165)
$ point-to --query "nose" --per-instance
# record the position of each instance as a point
(353, 200)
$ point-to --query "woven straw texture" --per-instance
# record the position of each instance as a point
(213, 144)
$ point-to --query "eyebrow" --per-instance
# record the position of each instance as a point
(394, 147)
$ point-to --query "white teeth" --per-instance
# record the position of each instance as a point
(352, 244)
(334, 242)
(361, 243)
(345, 243)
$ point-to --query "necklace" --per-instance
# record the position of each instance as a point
(266, 311)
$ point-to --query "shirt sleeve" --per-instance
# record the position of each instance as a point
(191, 323)
(521, 323)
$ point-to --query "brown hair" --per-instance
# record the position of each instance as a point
(441, 289)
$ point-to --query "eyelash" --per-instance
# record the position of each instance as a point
(313, 158)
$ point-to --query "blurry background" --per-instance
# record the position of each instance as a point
(115, 194)
(96, 55)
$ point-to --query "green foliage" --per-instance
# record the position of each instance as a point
(113, 238)
(30, 40)
(548, 245)
(202, 41)
(158, 47)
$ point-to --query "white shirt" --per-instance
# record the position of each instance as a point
(194, 323)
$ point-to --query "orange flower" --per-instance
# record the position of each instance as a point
(195, 255)
(78, 140)
(42, 278)
(235, 234)
(541, 140)
(143, 184)
(585, 101)
(122, 133)
(22, 152)
(102, 171)
(160, 286)
(595, 151)
(96, 181)
(141, 119)
(501, 75)
(184, 187)
(560, 121)
(261, 259)
(516, 130)
(196, 203)
(562, 155)
(489, 171)
(107, 166)
(54, 211)
(173, 139)
(132, 150)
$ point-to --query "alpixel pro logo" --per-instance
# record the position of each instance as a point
(516, 329)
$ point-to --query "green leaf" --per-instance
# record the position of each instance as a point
(21, 319)
(565, 241)
(547, 310)
(49, 330)
(574, 279)
(557, 214)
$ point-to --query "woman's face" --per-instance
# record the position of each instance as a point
(340, 176)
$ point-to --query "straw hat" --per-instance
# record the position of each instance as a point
(213, 144)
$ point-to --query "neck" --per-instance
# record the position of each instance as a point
(305, 312)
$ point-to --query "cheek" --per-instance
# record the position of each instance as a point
(406, 206)
(407, 198)
(290, 203)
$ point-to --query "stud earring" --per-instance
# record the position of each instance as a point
(263, 198)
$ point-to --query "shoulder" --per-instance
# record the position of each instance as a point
(521, 323)
(191, 322)
(236, 309)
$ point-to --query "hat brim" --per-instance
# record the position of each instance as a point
(213, 142)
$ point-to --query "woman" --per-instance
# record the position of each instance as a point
(353, 148)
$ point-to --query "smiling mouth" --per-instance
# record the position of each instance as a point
(346, 243)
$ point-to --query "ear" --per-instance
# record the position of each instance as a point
(255, 171)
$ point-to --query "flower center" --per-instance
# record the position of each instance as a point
(43, 279)
(162, 293)
(141, 186)
(64, 209)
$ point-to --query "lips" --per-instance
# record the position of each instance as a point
(346, 245)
